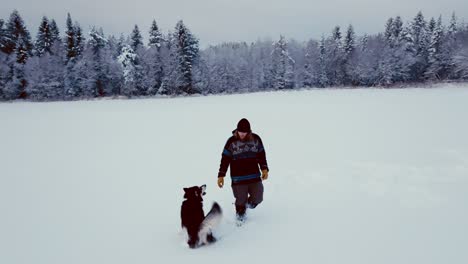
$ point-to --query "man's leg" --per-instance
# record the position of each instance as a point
(256, 194)
(241, 193)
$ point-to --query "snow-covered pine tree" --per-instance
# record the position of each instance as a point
(435, 68)
(397, 58)
(44, 39)
(335, 56)
(18, 44)
(282, 66)
(18, 38)
(349, 57)
(153, 60)
(449, 49)
(92, 69)
(136, 39)
(127, 58)
(402, 52)
(79, 40)
(452, 28)
(364, 42)
(431, 26)
(54, 31)
(122, 41)
(186, 47)
(74, 45)
(397, 31)
(386, 64)
(70, 39)
(420, 39)
(388, 30)
(155, 36)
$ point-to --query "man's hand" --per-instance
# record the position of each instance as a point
(220, 182)
(264, 174)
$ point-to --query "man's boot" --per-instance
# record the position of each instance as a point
(240, 213)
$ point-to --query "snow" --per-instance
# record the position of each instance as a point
(356, 176)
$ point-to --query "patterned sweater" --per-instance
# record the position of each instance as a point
(245, 157)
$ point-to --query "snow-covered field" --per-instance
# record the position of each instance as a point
(356, 176)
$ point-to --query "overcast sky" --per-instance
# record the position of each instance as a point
(215, 21)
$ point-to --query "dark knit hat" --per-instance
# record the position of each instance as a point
(244, 126)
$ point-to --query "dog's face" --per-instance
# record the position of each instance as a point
(195, 192)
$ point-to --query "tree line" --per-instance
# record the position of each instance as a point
(75, 65)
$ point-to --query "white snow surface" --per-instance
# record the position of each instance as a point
(356, 176)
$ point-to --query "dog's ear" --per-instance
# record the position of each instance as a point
(203, 188)
(185, 192)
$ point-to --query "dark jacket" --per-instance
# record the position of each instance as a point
(245, 158)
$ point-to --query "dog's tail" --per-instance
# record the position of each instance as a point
(212, 219)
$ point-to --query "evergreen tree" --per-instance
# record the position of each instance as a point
(132, 72)
(137, 39)
(449, 47)
(18, 43)
(18, 39)
(79, 40)
(153, 60)
(397, 54)
(435, 59)
(74, 47)
(186, 47)
(44, 38)
(97, 73)
(155, 36)
(431, 26)
(70, 39)
(397, 32)
(97, 43)
(54, 30)
(421, 42)
(349, 56)
(389, 30)
(335, 56)
(282, 66)
(453, 28)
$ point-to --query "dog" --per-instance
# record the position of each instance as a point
(199, 227)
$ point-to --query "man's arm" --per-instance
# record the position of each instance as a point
(226, 158)
(261, 155)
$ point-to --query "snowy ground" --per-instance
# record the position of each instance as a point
(357, 176)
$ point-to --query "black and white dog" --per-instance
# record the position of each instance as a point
(199, 227)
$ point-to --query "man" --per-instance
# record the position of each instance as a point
(245, 153)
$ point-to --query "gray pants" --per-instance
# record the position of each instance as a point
(251, 193)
